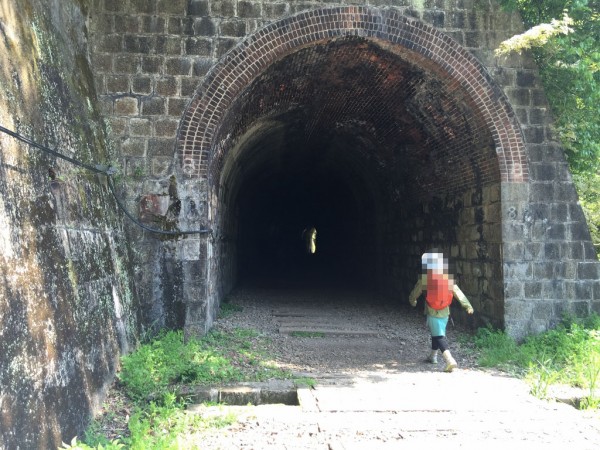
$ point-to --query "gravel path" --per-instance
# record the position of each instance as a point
(374, 389)
(378, 335)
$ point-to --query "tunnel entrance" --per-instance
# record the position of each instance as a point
(372, 150)
(380, 132)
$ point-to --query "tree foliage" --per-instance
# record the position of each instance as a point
(588, 186)
(568, 54)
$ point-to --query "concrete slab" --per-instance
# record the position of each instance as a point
(463, 409)
(429, 391)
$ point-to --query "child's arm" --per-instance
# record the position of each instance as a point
(419, 287)
(462, 298)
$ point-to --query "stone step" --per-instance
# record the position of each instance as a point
(315, 313)
(259, 393)
(309, 321)
(326, 330)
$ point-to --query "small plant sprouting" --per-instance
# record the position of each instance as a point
(305, 382)
(540, 376)
(307, 334)
(227, 309)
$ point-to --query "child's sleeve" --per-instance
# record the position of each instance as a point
(419, 287)
(462, 298)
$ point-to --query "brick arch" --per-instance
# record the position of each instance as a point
(236, 70)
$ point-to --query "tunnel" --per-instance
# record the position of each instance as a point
(376, 148)
(305, 210)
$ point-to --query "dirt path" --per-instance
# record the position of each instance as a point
(374, 389)
(321, 331)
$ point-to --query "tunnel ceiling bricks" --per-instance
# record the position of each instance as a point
(246, 62)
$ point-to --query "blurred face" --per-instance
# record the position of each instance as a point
(434, 261)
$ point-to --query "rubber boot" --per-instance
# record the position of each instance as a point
(450, 361)
(432, 358)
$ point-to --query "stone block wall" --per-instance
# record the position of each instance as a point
(467, 228)
(550, 264)
(68, 305)
(151, 59)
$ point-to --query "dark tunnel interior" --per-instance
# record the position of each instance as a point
(370, 148)
(279, 210)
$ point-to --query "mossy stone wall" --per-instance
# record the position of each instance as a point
(67, 298)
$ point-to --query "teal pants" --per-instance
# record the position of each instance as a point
(437, 325)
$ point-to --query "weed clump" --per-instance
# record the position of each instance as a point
(169, 361)
(568, 354)
(154, 374)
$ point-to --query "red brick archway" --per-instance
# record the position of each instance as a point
(432, 49)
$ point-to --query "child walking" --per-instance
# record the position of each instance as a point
(440, 290)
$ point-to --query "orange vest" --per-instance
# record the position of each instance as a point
(439, 290)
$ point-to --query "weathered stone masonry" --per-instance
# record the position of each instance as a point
(198, 88)
(390, 126)
(475, 139)
(68, 306)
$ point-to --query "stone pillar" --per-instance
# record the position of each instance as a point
(550, 266)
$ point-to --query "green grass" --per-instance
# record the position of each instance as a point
(153, 375)
(162, 425)
(167, 425)
(305, 382)
(168, 362)
(307, 334)
(569, 354)
(227, 309)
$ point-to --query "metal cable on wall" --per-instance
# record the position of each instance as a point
(109, 172)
